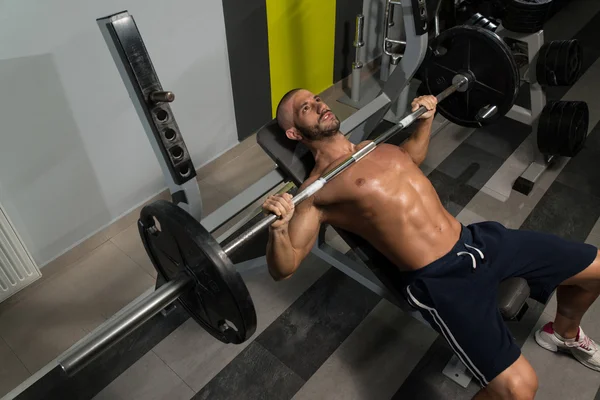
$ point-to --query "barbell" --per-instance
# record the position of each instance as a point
(474, 73)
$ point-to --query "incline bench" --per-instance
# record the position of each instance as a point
(296, 161)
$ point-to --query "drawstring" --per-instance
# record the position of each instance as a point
(479, 252)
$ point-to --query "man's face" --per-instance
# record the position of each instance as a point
(312, 117)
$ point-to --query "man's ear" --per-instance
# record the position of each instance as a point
(293, 134)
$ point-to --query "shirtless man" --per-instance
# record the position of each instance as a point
(451, 272)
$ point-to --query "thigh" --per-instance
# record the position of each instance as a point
(472, 325)
(544, 260)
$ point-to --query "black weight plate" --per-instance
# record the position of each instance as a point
(570, 58)
(549, 137)
(540, 66)
(474, 19)
(574, 126)
(482, 54)
(523, 26)
(533, 3)
(559, 63)
(544, 129)
(531, 6)
(178, 244)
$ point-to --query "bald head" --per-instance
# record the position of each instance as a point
(285, 110)
(305, 117)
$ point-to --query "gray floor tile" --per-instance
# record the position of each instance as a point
(197, 357)
(256, 374)
(582, 172)
(470, 165)
(560, 376)
(130, 243)
(454, 194)
(570, 19)
(426, 381)
(596, 228)
(443, 144)
(511, 213)
(594, 240)
(318, 322)
(147, 379)
(500, 139)
(237, 175)
(374, 360)
(12, 370)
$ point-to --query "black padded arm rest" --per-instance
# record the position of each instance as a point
(512, 295)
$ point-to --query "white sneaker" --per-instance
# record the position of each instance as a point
(582, 347)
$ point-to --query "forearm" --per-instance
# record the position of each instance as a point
(281, 256)
(418, 143)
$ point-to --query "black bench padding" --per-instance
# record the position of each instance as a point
(296, 161)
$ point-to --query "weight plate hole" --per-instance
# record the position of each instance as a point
(161, 115)
(440, 51)
(177, 153)
(155, 229)
(170, 134)
(184, 171)
(227, 324)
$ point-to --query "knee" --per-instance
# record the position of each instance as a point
(522, 387)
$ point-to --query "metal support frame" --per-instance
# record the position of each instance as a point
(362, 123)
(530, 176)
(526, 181)
(137, 72)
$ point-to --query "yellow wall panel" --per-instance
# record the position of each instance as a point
(301, 45)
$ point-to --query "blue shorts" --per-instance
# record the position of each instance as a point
(457, 294)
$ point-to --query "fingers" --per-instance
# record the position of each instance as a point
(415, 104)
(429, 102)
(280, 205)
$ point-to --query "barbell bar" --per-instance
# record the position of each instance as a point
(125, 322)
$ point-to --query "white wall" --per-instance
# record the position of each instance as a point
(73, 154)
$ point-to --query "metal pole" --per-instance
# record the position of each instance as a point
(122, 325)
(357, 64)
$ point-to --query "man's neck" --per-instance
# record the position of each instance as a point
(327, 150)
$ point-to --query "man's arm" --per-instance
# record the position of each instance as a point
(418, 143)
(292, 236)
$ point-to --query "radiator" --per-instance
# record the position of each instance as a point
(17, 268)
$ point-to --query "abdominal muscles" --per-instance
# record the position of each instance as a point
(399, 213)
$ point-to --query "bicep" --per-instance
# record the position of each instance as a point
(304, 228)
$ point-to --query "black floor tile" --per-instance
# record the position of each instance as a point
(254, 374)
(565, 212)
(308, 332)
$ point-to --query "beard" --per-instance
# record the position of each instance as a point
(320, 132)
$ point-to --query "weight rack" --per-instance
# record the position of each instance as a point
(499, 186)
